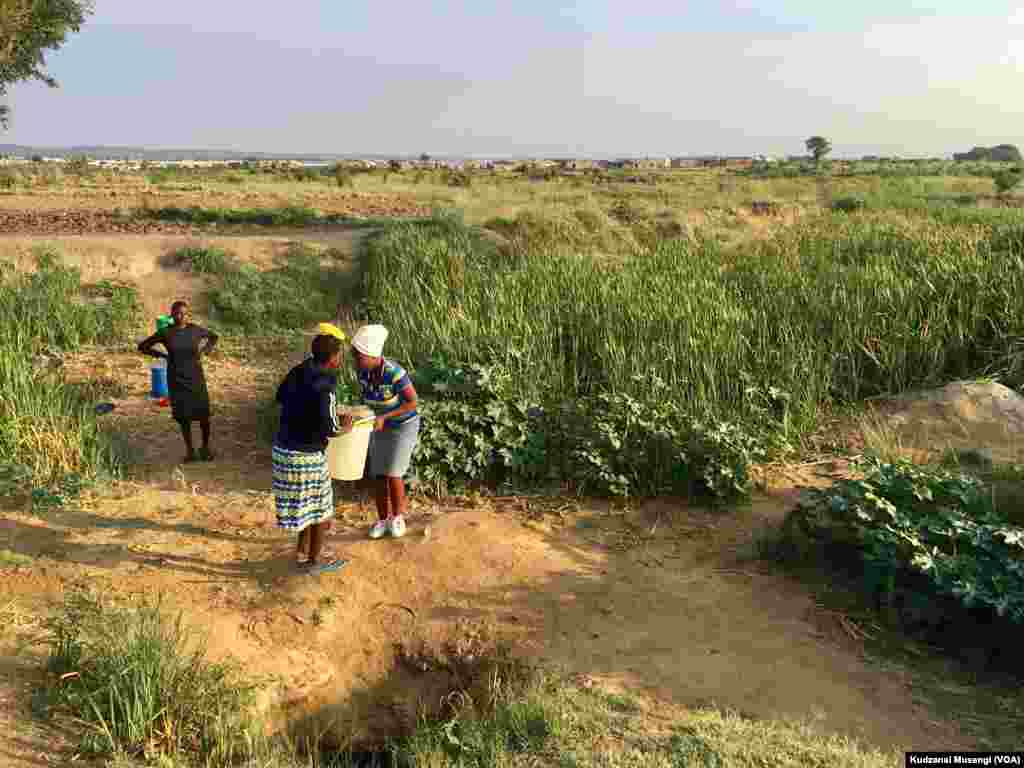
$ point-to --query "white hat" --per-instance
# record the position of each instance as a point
(370, 340)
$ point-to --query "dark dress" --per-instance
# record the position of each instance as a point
(186, 382)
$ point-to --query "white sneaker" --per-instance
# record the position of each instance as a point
(398, 527)
(379, 529)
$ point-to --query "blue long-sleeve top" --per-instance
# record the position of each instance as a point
(309, 412)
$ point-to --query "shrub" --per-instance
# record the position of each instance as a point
(474, 430)
(1007, 179)
(159, 178)
(622, 446)
(343, 176)
(908, 521)
(208, 260)
(848, 204)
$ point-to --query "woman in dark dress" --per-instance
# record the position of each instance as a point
(186, 383)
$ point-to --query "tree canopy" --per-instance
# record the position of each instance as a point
(28, 30)
(1004, 153)
(1008, 179)
(818, 146)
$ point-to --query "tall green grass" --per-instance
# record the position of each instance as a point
(48, 430)
(140, 680)
(839, 308)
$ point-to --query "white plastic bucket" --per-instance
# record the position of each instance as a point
(346, 454)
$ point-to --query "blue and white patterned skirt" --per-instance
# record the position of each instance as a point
(302, 489)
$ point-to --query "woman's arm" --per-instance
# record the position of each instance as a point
(146, 347)
(211, 341)
(329, 425)
(409, 404)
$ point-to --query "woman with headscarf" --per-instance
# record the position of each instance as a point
(186, 344)
(389, 392)
(302, 481)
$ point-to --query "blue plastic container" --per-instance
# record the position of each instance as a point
(158, 377)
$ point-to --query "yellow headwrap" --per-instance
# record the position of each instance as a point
(329, 329)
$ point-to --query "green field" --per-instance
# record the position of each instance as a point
(576, 335)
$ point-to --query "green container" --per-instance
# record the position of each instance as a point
(164, 321)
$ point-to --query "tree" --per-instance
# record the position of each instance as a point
(818, 146)
(28, 29)
(1007, 180)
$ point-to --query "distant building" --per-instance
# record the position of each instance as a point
(636, 164)
(504, 165)
(575, 164)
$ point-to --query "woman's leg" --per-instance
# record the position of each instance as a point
(396, 493)
(396, 496)
(204, 426)
(383, 498)
(304, 541)
(186, 433)
(317, 534)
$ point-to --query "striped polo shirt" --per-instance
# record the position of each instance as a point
(381, 390)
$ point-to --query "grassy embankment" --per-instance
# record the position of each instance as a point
(48, 429)
(137, 680)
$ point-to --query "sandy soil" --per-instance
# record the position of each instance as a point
(651, 600)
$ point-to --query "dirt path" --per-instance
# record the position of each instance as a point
(666, 616)
(651, 602)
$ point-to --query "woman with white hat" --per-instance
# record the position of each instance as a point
(388, 391)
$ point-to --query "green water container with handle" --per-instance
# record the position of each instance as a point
(164, 321)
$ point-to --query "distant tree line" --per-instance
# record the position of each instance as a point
(1003, 153)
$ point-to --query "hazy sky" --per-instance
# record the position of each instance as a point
(597, 77)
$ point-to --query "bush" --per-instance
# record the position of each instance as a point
(848, 204)
(159, 178)
(204, 260)
(619, 445)
(1007, 180)
(343, 177)
(476, 431)
(141, 683)
(908, 522)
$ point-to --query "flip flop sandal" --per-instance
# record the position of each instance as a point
(104, 408)
(303, 559)
(335, 565)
